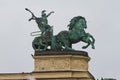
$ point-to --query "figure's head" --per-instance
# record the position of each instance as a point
(43, 13)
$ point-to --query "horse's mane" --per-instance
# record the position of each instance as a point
(78, 17)
(74, 20)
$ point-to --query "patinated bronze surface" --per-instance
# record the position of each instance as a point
(64, 39)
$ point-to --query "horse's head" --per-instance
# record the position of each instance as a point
(78, 22)
(81, 22)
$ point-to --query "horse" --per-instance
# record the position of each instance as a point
(76, 33)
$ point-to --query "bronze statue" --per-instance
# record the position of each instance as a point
(76, 33)
(64, 39)
(44, 17)
(42, 22)
(41, 42)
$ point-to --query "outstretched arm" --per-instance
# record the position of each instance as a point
(50, 13)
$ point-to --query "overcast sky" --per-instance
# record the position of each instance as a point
(103, 21)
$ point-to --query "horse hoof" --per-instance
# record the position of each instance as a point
(83, 47)
(93, 47)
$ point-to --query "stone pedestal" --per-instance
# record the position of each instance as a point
(61, 65)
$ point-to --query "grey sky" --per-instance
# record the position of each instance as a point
(102, 17)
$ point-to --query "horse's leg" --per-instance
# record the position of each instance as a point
(92, 44)
(53, 43)
(70, 45)
(68, 48)
(93, 41)
(67, 45)
(88, 43)
(46, 44)
(87, 40)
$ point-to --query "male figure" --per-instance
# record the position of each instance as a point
(46, 30)
(42, 22)
(44, 17)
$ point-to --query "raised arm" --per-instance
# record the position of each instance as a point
(49, 13)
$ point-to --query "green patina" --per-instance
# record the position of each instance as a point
(64, 39)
